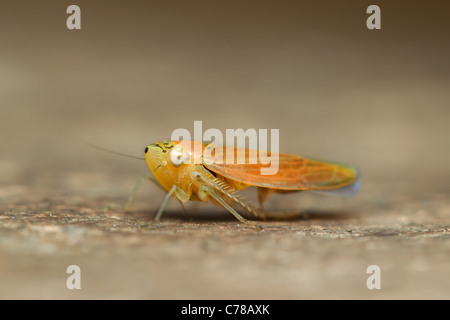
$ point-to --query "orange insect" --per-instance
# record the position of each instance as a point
(187, 174)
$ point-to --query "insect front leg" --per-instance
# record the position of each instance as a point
(133, 193)
(138, 184)
(164, 203)
(179, 193)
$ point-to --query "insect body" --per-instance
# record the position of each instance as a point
(187, 172)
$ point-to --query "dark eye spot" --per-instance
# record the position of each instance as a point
(146, 149)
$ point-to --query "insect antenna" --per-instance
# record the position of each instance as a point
(113, 152)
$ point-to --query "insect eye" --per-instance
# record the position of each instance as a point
(179, 155)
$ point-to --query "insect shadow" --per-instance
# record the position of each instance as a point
(213, 215)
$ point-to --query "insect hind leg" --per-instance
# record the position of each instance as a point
(230, 209)
(221, 193)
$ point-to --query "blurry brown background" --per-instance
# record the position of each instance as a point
(137, 70)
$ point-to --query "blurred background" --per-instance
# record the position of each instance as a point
(137, 70)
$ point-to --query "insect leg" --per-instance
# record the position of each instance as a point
(133, 193)
(138, 184)
(263, 194)
(180, 194)
(164, 203)
(229, 208)
(225, 192)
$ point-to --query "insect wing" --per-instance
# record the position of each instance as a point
(294, 172)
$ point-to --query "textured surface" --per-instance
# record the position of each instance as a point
(207, 254)
(337, 91)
